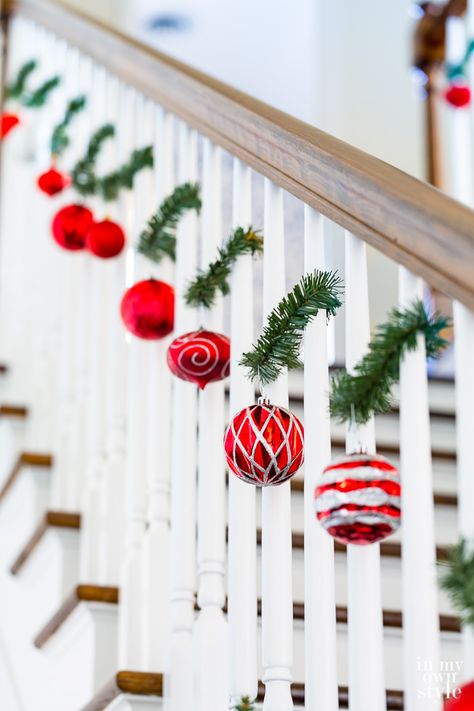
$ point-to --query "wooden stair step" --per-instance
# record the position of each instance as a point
(51, 519)
(25, 459)
(19, 411)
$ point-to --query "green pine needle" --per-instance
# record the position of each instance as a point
(357, 397)
(110, 185)
(202, 291)
(279, 344)
(60, 138)
(83, 175)
(458, 580)
(245, 705)
(39, 97)
(158, 239)
(16, 88)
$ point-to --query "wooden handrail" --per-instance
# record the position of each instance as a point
(404, 218)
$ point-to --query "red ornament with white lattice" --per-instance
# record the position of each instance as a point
(358, 499)
(53, 181)
(461, 699)
(200, 357)
(70, 226)
(264, 444)
(147, 309)
(7, 123)
(105, 239)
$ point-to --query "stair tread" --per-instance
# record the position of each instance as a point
(25, 459)
(51, 519)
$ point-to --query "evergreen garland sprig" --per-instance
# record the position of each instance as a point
(279, 344)
(110, 185)
(457, 580)
(38, 98)
(245, 705)
(83, 175)
(357, 397)
(458, 71)
(158, 239)
(60, 138)
(16, 88)
(202, 291)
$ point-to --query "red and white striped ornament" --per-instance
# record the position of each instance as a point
(200, 357)
(358, 499)
(264, 444)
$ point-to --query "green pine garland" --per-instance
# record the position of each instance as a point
(16, 88)
(39, 96)
(458, 71)
(202, 291)
(245, 705)
(158, 239)
(110, 185)
(83, 175)
(60, 138)
(279, 344)
(458, 580)
(357, 397)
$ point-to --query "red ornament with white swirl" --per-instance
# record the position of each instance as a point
(358, 499)
(264, 444)
(200, 357)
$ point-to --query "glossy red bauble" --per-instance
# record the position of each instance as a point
(358, 499)
(201, 357)
(462, 699)
(53, 181)
(70, 226)
(147, 309)
(8, 121)
(264, 444)
(458, 95)
(105, 239)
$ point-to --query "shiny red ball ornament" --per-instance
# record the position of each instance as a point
(358, 499)
(458, 95)
(461, 699)
(70, 226)
(147, 309)
(8, 121)
(201, 357)
(264, 444)
(105, 239)
(53, 181)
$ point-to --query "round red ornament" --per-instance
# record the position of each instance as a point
(264, 444)
(53, 181)
(458, 95)
(8, 121)
(105, 239)
(71, 225)
(147, 309)
(464, 699)
(201, 357)
(358, 499)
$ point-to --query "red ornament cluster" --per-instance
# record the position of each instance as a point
(147, 309)
(200, 357)
(358, 499)
(458, 95)
(264, 444)
(71, 225)
(461, 699)
(53, 181)
(7, 123)
(105, 239)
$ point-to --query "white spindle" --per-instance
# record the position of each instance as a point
(321, 691)
(183, 466)
(365, 629)
(277, 599)
(242, 552)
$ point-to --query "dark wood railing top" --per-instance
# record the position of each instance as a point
(406, 219)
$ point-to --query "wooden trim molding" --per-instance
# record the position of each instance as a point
(81, 593)
(126, 682)
(51, 519)
(408, 220)
(25, 459)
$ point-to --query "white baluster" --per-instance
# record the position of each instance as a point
(179, 682)
(277, 594)
(321, 691)
(242, 551)
(365, 628)
(210, 634)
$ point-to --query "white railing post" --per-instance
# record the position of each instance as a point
(365, 627)
(242, 551)
(321, 689)
(210, 633)
(277, 589)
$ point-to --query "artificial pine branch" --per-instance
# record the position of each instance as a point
(458, 580)
(458, 71)
(245, 705)
(202, 291)
(110, 185)
(357, 397)
(279, 343)
(59, 138)
(39, 97)
(83, 174)
(16, 88)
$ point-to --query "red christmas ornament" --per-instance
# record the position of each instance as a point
(264, 444)
(8, 121)
(358, 500)
(53, 181)
(201, 357)
(70, 226)
(458, 95)
(105, 239)
(147, 309)
(461, 699)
